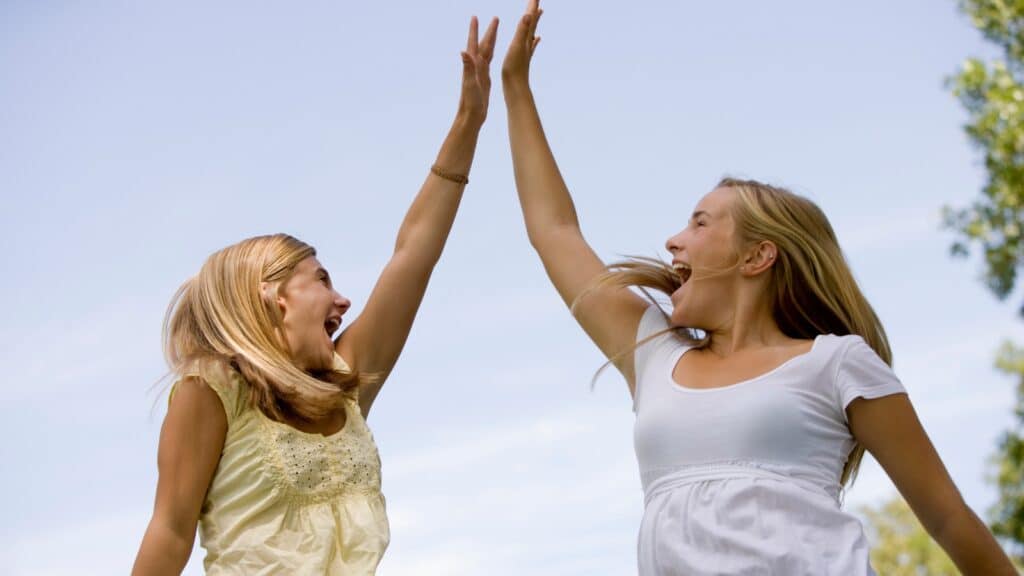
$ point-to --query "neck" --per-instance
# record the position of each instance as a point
(750, 326)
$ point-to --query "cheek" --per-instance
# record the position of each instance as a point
(300, 323)
(297, 334)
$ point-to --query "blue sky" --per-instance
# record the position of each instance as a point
(136, 138)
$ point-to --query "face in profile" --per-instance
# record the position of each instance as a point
(312, 312)
(706, 256)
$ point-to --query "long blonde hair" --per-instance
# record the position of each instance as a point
(812, 288)
(226, 317)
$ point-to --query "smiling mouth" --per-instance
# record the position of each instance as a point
(683, 270)
(332, 325)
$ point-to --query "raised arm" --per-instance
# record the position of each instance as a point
(609, 316)
(190, 446)
(375, 339)
(889, 428)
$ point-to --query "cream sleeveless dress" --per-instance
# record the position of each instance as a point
(283, 501)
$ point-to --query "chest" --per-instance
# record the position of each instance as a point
(326, 427)
(306, 466)
(784, 415)
(313, 464)
(702, 369)
(762, 422)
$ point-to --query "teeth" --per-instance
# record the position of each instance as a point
(683, 270)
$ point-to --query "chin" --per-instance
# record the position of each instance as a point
(680, 319)
(315, 360)
(677, 317)
(322, 362)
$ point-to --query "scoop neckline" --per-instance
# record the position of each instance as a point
(689, 390)
(312, 435)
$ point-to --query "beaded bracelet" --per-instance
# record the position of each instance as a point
(450, 176)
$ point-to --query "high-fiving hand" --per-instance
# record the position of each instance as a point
(476, 71)
(516, 67)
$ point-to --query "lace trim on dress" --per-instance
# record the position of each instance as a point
(311, 468)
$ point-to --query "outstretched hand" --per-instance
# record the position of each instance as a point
(516, 67)
(476, 71)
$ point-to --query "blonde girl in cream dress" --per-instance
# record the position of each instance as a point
(265, 445)
(758, 392)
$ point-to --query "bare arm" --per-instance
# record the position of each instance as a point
(609, 316)
(375, 339)
(191, 442)
(889, 428)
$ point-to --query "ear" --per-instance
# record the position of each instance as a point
(271, 297)
(759, 257)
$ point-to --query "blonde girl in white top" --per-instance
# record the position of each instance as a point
(757, 394)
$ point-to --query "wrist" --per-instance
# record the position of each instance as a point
(458, 148)
(467, 121)
(516, 87)
(457, 177)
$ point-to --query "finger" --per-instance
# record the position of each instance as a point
(526, 38)
(536, 40)
(470, 73)
(483, 71)
(520, 34)
(490, 37)
(472, 43)
(483, 77)
(533, 6)
(468, 67)
(534, 20)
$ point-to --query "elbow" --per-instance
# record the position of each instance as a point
(165, 549)
(417, 264)
(967, 540)
(944, 527)
(536, 238)
(418, 252)
(539, 240)
(542, 237)
(954, 519)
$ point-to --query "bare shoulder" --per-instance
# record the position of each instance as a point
(195, 405)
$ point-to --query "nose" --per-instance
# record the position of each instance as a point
(342, 303)
(674, 244)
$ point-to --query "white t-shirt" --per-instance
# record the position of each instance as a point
(744, 479)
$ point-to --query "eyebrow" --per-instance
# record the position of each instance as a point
(324, 270)
(699, 213)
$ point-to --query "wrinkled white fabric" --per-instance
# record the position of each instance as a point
(744, 479)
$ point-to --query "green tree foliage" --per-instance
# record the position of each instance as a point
(993, 95)
(1008, 513)
(899, 544)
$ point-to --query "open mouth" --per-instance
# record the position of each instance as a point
(683, 270)
(331, 325)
